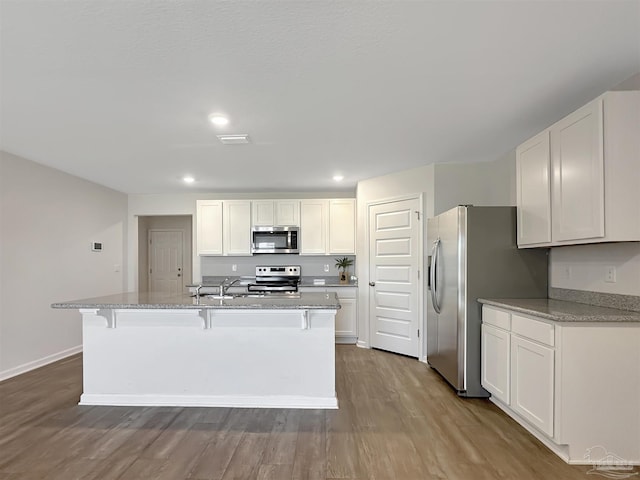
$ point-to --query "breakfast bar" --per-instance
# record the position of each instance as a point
(235, 351)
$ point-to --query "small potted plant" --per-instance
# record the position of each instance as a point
(343, 264)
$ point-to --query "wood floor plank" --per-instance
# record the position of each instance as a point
(397, 419)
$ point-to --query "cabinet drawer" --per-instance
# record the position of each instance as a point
(538, 331)
(497, 318)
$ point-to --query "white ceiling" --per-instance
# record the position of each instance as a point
(118, 92)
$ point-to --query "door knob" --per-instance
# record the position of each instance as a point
(178, 274)
(372, 284)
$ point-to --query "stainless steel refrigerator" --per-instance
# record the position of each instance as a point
(473, 254)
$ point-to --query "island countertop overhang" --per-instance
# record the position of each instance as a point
(152, 301)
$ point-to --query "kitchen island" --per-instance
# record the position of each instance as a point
(242, 351)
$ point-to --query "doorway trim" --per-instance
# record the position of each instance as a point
(421, 282)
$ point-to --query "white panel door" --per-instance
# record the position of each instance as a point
(532, 377)
(237, 227)
(577, 155)
(533, 170)
(313, 227)
(209, 227)
(394, 249)
(165, 261)
(495, 363)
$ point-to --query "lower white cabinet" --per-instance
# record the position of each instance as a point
(532, 378)
(347, 315)
(574, 385)
(496, 371)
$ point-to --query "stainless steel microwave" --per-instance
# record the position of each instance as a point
(275, 239)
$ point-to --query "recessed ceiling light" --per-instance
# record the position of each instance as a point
(219, 120)
(189, 179)
(338, 178)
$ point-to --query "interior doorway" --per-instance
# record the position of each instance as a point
(395, 302)
(160, 225)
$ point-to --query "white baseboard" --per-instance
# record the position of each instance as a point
(347, 340)
(41, 362)
(362, 344)
(236, 401)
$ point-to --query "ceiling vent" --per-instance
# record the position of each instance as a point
(239, 139)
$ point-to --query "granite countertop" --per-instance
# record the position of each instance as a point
(150, 300)
(305, 281)
(562, 311)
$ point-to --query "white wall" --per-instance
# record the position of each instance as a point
(583, 267)
(48, 220)
(482, 183)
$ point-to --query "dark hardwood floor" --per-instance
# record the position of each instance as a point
(397, 420)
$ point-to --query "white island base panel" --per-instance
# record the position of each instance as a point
(209, 357)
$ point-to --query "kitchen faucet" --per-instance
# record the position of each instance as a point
(224, 285)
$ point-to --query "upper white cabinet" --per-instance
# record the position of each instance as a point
(281, 213)
(314, 216)
(578, 174)
(533, 164)
(342, 221)
(236, 227)
(328, 227)
(591, 179)
(224, 227)
(209, 227)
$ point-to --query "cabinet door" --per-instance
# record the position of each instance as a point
(209, 227)
(313, 227)
(577, 156)
(532, 377)
(533, 173)
(263, 213)
(346, 317)
(496, 358)
(287, 213)
(237, 227)
(342, 226)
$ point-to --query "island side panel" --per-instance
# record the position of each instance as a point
(209, 357)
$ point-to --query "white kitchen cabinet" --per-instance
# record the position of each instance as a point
(595, 176)
(342, 221)
(578, 174)
(236, 221)
(281, 213)
(347, 315)
(209, 227)
(314, 215)
(574, 385)
(518, 365)
(496, 362)
(532, 387)
(533, 174)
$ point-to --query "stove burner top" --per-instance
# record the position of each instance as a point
(280, 278)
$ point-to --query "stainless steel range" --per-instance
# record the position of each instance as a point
(276, 279)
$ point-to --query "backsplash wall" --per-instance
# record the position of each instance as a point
(312, 266)
(584, 267)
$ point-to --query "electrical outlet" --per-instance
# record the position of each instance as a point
(234, 267)
(326, 268)
(567, 272)
(610, 275)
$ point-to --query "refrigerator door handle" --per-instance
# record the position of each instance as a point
(434, 275)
